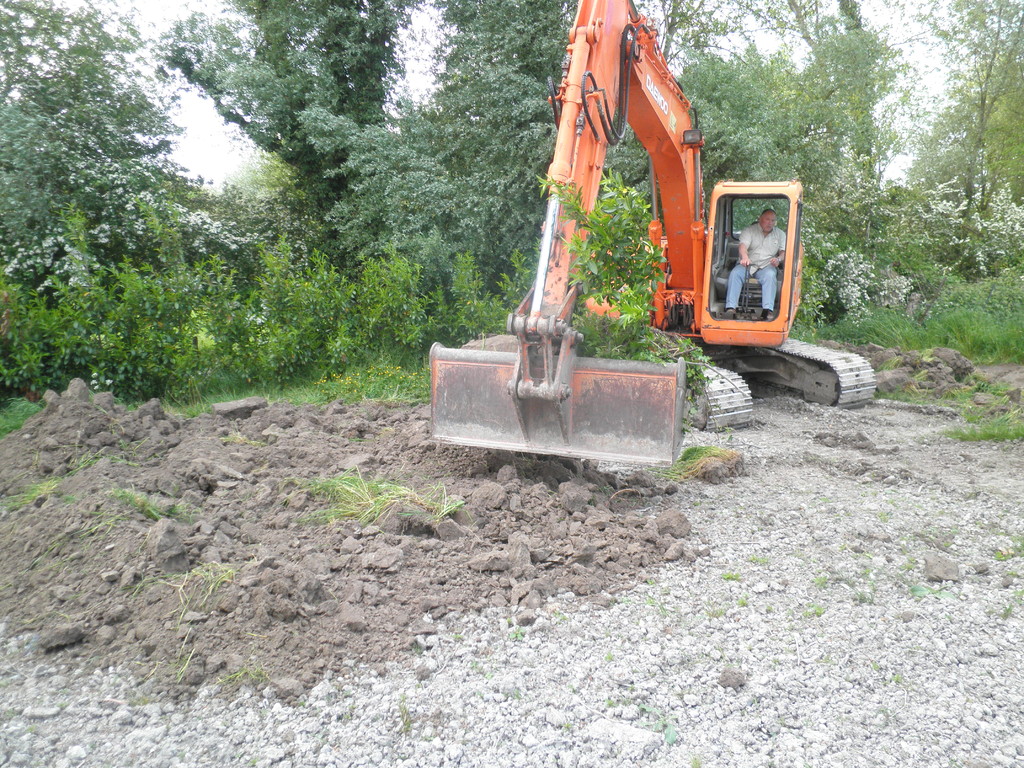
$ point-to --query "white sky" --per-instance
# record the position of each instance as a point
(209, 147)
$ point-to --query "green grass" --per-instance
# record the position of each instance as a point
(144, 505)
(1004, 426)
(385, 381)
(353, 498)
(985, 337)
(30, 494)
(16, 412)
(251, 674)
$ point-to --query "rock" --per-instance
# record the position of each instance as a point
(61, 636)
(489, 495)
(519, 550)
(622, 733)
(239, 409)
(496, 560)
(40, 713)
(574, 497)
(165, 548)
(106, 634)
(288, 688)
(383, 558)
(960, 366)
(352, 618)
(672, 522)
(940, 568)
(77, 753)
(152, 409)
(732, 677)
(507, 474)
(680, 550)
(425, 669)
(892, 381)
(449, 530)
(527, 618)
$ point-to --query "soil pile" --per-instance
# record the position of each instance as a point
(190, 549)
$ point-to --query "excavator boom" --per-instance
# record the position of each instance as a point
(536, 395)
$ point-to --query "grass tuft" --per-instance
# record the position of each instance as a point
(354, 498)
(15, 413)
(30, 494)
(695, 461)
(253, 674)
(1004, 426)
(144, 505)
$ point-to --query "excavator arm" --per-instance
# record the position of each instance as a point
(536, 395)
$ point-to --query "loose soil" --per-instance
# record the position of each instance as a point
(188, 549)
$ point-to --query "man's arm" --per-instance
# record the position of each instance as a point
(744, 256)
(745, 240)
(780, 256)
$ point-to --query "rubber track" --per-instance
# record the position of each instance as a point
(856, 376)
(728, 398)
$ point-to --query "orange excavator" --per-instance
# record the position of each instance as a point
(534, 394)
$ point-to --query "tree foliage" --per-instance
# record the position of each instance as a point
(85, 140)
(975, 141)
(459, 173)
(300, 79)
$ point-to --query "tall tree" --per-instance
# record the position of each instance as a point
(460, 172)
(299, 78)
(976, 139)
(85, 141)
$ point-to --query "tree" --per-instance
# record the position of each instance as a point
(300, 79)
(976, 139)
(461, 172)
(85, 142)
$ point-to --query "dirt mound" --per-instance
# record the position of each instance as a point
(186, 547)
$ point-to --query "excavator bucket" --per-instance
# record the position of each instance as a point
(617, 410)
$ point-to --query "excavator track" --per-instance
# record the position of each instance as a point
(856, 377)
(726, 402)
(821, 375)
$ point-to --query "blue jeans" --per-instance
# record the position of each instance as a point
(768, 277)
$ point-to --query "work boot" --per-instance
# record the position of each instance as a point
(766, 314)
(730, 313)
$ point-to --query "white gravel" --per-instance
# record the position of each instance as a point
(810, 635)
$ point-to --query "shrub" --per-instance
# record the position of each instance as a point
(291, 324)
(391, 310)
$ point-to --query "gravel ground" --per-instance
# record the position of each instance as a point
(860, 605)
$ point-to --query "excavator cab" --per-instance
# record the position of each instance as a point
(734, 206)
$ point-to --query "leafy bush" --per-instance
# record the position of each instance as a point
(292, 322)
(613, 258)
(467, 309)
(391, 307)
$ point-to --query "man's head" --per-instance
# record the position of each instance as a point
(767, 220)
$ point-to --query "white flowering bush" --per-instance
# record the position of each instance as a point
(848, 278)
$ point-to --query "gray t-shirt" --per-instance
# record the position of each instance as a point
(762, 248)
